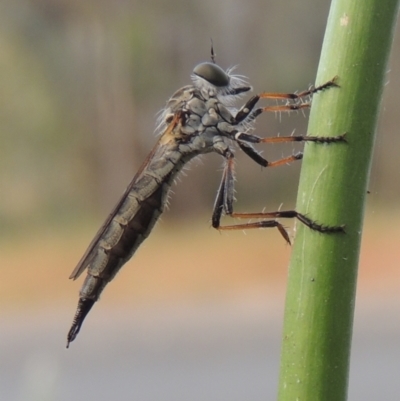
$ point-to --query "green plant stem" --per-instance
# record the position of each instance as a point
(333, 186)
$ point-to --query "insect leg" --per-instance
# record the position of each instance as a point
(296, 96)
(224, 200)
(253, 154)
(288, 214)
(303, 138)
(242, 137)
(224, 204)
(251, 115)
(325, 229)
(247, 110)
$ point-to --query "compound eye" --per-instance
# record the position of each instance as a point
(212, 73)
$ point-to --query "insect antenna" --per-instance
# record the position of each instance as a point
(212, 52)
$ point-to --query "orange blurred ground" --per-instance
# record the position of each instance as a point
(181, 262)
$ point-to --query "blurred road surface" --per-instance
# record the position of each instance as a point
(204, 350)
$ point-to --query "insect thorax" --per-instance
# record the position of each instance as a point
(203, 110)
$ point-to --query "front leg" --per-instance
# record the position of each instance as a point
(247, 111)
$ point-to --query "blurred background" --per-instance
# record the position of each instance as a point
(196, 314)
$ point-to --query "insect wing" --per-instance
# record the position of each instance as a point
(90, 252)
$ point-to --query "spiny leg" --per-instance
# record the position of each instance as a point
(224, 200)
(283, 107)
(305, 138)
(224, 204)
(241, 137)
(297, 96)
(244, 140)
(258, 224)
(287, 214)
(247, 111)
(253, 154)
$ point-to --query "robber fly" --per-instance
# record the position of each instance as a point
(197, 119)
